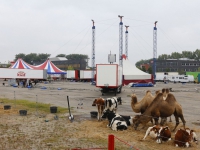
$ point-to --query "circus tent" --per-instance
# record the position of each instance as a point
(20, 64)
(50, 67)
(132, 74)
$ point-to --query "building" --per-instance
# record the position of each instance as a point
(177, 65)
(64, 64)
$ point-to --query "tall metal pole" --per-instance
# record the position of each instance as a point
(154, 51)
(93, 50)
(120, 40)
(126, 41)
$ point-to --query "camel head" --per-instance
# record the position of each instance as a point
(136, 121)
(133, 99)
(165, 93)
(141, 119)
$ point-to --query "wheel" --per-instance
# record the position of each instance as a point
(119, 89)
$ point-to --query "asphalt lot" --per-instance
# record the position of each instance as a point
(188, 95)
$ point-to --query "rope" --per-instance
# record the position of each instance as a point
(126, 143)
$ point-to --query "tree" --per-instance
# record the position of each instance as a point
(176, 55)
(76, 56)
(197, 54)
(143, 68)
(150, 70)
(20, 55)
(70, 67)
(61, 55)
(187, 54)
(163, 57)
(32, 57)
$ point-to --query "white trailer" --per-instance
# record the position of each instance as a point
(72, 74)
(86, 75)
(109, 78)
(7, 73)
(181, 78)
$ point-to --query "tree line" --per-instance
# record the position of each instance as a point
(34, 57)
(174, 55)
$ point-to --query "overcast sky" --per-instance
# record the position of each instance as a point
(65, 27)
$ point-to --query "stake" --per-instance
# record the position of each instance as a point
(71, 117)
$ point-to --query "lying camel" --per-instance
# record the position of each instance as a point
(161, 108)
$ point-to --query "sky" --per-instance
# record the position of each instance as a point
(65, 27)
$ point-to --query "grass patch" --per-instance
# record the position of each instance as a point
(30, 105)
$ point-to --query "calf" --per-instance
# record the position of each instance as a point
(159, 133)
(111, 104)
(116, 122)
(119, 101)
(184, 137)
(100, 103)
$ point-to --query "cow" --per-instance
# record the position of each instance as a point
(111, 104)
(184, 137)
(119, 100)
(116, 121)
(100, 103)
(159, 133)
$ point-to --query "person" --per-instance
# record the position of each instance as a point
(164, 79)
(18, 83)
(24, 83)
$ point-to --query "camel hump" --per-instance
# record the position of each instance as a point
(158, 91)
(148, 91)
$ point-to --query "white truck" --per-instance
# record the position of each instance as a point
(109, 78)
(7, 73)
(86, 75)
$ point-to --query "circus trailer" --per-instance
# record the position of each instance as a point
(8, 73)
(109, 78)
(73, 75)
(86, 75)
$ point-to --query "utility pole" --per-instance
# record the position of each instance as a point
(120, 40)
(93, 50)
(154, 51)
(126, 41)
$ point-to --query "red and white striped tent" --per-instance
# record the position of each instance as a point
(20, 64)
(50, 67)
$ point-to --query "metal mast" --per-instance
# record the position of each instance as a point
(120, 40)
(93, 50)
(154, 50)
(126, 41)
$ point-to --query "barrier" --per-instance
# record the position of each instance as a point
(111, 143)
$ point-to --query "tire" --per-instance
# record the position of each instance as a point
(119, 89)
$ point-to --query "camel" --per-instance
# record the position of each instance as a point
(141, 106)
(161, 108)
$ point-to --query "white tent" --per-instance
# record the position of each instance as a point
(132, 74)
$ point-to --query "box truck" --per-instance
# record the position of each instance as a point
(109, 78)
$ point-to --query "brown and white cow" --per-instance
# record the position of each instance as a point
(184, 137)
(159, 133)
(100, 103)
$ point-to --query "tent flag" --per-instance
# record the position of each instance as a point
(50, 67)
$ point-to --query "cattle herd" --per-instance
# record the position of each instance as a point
(152, 107)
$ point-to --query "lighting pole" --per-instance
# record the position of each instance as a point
(120, 40)
(154, 51)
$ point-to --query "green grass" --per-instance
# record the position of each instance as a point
(31, 106)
